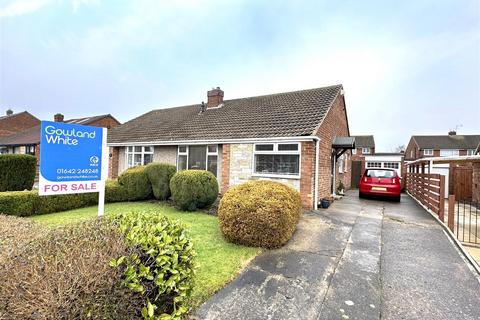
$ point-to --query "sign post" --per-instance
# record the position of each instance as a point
(73, 159)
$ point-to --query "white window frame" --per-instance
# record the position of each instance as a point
(365, 150)
(276, 152)
(133, 153)
(428, 152)
(452, 152)
(470, 152)
(391, 165)
(207, 154)
(370, 166)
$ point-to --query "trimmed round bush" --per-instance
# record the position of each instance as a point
(259, 213)
(193, 189)
(17, 172)
(115, 192)
(135, 180)
(159, 175)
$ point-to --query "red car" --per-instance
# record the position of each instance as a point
(380, 182)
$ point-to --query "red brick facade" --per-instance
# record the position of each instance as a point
(113, 162)
(16, 123)
(307, 178)
(334, 124)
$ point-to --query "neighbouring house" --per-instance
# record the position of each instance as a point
(28, 141)
(15, 122)
(441, 146)
(364, 145)
(286, 137)
(477, 151)
(451, 145)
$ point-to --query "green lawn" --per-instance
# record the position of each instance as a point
(218, 261)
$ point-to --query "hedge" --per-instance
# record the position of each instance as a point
(259, 213)
(193, 189)
(136, 182)
(17, 172)
(159, 175)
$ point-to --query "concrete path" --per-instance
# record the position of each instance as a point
(360, 259)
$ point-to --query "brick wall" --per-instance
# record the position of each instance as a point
(412, 146)
(334, 124)
(307, 177)
(113, 162)
(17, 122)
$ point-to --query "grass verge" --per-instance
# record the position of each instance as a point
(218, 260)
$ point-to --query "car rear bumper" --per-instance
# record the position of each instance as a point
(377, 190)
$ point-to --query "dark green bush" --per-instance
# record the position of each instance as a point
(17, 172)
(65, 274)
(259, 213)
(114, 192)
(161, 266)
(159, 175)
(192, 189)
(18, 203)
(135, 180)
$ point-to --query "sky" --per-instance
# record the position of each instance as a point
(407, 67)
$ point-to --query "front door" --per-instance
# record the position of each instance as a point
(356, 173)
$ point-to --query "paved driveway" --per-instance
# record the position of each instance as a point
(360, 259)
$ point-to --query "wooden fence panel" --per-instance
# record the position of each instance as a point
(429, 189)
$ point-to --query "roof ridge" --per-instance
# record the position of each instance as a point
(252, 97)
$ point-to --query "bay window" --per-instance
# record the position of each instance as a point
(277, 159)
(198, 157)
(138, 155)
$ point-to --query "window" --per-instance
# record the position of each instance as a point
(354, 151)
(428, 152)
(366, 150)
(374, 164)
(391, 165)
(30, 150)
(380, 173)
(138, 155)
(449, 152)
(470, 152)
(411, 154)
(198, 157)
(280, 159)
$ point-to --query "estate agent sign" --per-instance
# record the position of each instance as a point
(73, 159)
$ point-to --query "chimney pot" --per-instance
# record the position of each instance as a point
(452, 132)
(215, 98)
(9, 112)
(58, 117)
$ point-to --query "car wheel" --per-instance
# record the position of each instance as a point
(361, 195)
(397, 199)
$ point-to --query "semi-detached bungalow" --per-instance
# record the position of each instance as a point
(287, 137)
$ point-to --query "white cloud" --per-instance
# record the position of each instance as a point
(18, 8)
(78, 3)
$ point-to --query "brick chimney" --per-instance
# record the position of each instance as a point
(215, 98)
(452, 133)
(9, 112)
(58, 117)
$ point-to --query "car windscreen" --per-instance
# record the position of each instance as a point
(376, 173)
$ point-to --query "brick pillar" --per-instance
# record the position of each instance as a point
(113, 162)
(307, 177)
(225, 168)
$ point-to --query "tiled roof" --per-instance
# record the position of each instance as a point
(13, 115)
(88, 120)
(25, 137)
(364, 141)
(447, 141)
(295, 113)
(32, 135)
